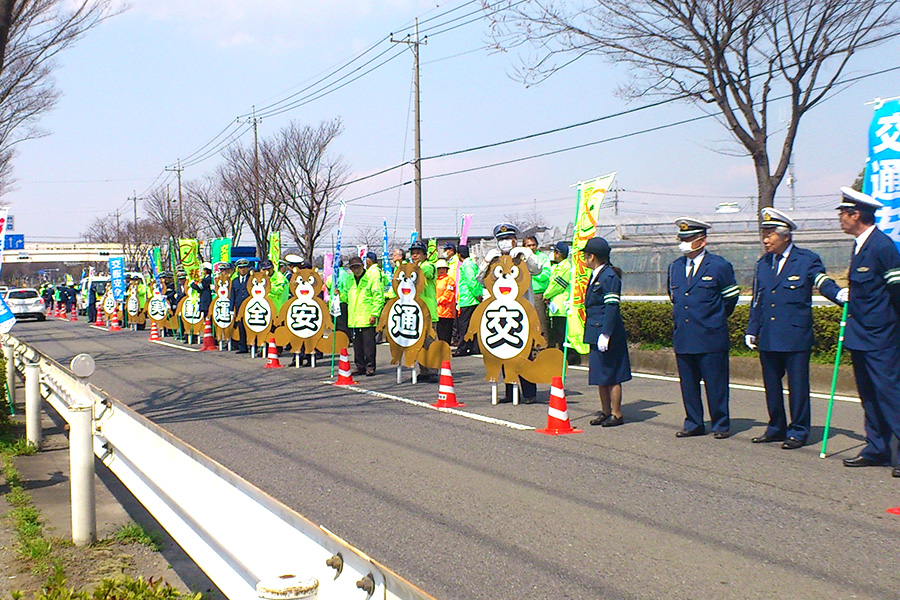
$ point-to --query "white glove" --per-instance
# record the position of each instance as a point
(492, 254)
(843, 295)
(552, 307)
(750, 341)
(603, 343)
(520, 251)
(335, 307)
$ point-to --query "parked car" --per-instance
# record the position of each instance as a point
(26, 303)
(98, 282)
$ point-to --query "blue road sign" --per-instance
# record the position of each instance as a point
(14, 242)
(117, 277)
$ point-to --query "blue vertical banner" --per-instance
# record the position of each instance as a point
(117, 277)
(7, 318)
(882, 180)
(336, 264)
(385, 256)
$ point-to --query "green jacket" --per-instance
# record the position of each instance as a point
(278, 290)
(365, 298)
(429, 294)
(470, 291)
(540, 281)
(557, 291)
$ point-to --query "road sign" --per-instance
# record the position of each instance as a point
(13, 242)
(10, 223)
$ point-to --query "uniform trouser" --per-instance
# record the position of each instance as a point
(465, 317)
(712, 368)
(878, 381)
(242, 336)
(541, 307)
(774, 367)
(92, 313)
(364, 348)
(445, 329)
(340, 322)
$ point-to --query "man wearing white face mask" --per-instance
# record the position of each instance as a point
(703, 292)
(505, 234)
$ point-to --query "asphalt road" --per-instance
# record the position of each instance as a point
(469, 509)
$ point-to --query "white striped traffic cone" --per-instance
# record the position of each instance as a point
(345, 377)
(446, 393)
(272, 356)
(558, 414)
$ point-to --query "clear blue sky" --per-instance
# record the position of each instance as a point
(154, 84)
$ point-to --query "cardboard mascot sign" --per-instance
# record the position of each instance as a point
(188, 310)
(304, 322)
(220, 308)
(136, 312)
(158, 310)
(257, 312)
(508, 328)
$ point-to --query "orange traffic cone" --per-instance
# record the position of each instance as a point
(154, 332)
(56, 309)
(344, 375)
(114, 324)
(61, 314)
(272, 354)
(446, 393)
(74, 316)
(209, 342)
(99, 320)
(558, 414)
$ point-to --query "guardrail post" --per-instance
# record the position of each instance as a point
(9, 351)
(33, 403)
(81, 465)
(81, 455)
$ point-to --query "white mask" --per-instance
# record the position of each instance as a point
(686, 247)
(505, 245)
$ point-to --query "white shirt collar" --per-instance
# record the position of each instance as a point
(862, 238)
(787, 251)
(696, 260)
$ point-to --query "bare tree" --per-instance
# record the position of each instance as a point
(135, 241)
(370, 236)
(307, 178)
(739, 56)
(218, 212)
(249, 183)
(32, 33)
(528, 221)
(164, 211)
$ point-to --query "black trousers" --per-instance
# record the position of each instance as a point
(242, 336)
(364, 348)
(465, 317)
(445, 329)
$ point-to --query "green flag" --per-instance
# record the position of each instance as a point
(220, 250)
(190, 258)
(275, 247)
(589, 197)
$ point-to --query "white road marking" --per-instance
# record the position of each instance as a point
(162, 343)
(452, 411)
(734, 386)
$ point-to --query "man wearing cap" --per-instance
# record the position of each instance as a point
(418, 255)
(505, 234)
(446, 300)
(470, 294)
(204, 288)
(365, 299)
(557, 297)
(780, 325)
(539, 283)
(278, 284)
(703, 292)
(239, 293)
(873, 326)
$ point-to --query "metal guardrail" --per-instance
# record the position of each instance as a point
(240, 536)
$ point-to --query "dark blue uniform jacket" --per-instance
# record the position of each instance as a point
(701, 307)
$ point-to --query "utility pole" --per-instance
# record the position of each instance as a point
(178, 169)
(414, 43)
(792, 180)
(260, 209)
(616, 201)
(134, 199)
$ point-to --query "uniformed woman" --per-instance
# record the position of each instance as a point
(604, 331)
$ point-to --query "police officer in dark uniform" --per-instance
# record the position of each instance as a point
(239, 293)
(704, 293)
(873, 326)
(204, 288)
(780, 325)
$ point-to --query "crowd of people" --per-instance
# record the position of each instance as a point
(703, 291)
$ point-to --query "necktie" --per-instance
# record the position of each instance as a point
(692, 271)
(776, 262)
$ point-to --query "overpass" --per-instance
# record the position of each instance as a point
(69, 252)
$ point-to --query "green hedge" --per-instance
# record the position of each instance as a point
(649, 324)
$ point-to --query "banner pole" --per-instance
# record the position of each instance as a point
(834, 376)
(571, 282)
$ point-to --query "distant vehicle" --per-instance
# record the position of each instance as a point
(25, 303)
(98, 282)
(4, 289)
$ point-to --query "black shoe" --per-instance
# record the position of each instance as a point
(722, 435)
(457, 354)
(613, 421)
(791, 443)
(244, 351)
(895, 472)
(598, 420)
(767, 439)
(530, 400)
(370, 372)
(358, 372)
(861, 461)
(690, 432)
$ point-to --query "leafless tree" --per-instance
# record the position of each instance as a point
(176, 219)
(135, 242)
(249, 183)
(32, 33)
(307, 178)
(218, 212)
(527, 221)
(737, 56)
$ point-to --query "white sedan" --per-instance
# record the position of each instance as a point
(26, 302)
